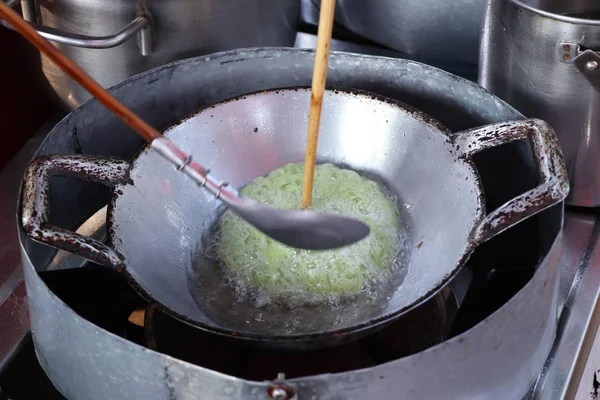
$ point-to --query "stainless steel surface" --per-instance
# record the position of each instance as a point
(563, 375)
(520, 63)
(180, 29)
(30, 10)
(171, 214)
(13, 303)
(128, 370)
(352, 43)
(139, 24)
(307, 38)
(441, 30)
(303, 229)
(517, 337)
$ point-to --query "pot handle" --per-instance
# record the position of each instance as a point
(586, 61)
(141, 26)
(36, 202)
(554, 183)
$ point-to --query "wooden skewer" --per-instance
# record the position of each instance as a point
(78, 75)
(316, 97)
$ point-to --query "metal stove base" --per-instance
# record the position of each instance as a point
(569, 371)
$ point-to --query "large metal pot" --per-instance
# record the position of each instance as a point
(539, 55)
(113, 40)
(157, 215)
(438, 30)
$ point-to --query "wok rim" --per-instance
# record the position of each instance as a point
(323, 336)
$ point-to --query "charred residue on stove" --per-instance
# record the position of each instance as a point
(75, 141)
(169, 384)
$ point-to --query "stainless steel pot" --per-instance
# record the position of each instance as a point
(157, 216)
(539, 55)
(116, 39)
(86, 362)
(438, 30)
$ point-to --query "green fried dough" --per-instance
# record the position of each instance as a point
(255, 261)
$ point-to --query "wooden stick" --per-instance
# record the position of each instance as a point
(137, 317)
(316, 97)
(78, 75)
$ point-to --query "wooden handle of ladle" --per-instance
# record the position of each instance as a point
(77, 74)
(316, 97)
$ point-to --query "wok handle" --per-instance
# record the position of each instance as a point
(554, 184)
(35, 213)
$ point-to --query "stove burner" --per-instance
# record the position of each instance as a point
(416, 331)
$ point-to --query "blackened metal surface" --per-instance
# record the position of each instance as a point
(36, 200)
(552, 188)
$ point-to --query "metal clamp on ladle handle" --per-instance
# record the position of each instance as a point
(194, 170)
(554, 183)
(35, 215)
(141, 25)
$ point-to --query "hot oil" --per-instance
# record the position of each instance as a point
(235, 303)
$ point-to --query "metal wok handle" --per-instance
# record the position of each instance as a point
(554, 184)
(36, 202)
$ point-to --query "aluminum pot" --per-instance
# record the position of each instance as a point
(85, 361)
(539, 55)
(438, 30)
(157, 216)
(116, 39)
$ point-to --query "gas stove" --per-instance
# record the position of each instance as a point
(125, 313)
(488, 281)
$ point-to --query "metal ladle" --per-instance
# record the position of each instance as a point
(302, 229)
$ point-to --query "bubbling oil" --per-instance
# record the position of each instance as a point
(266, 274)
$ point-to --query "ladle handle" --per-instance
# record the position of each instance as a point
(552, 188)
(35, 215)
